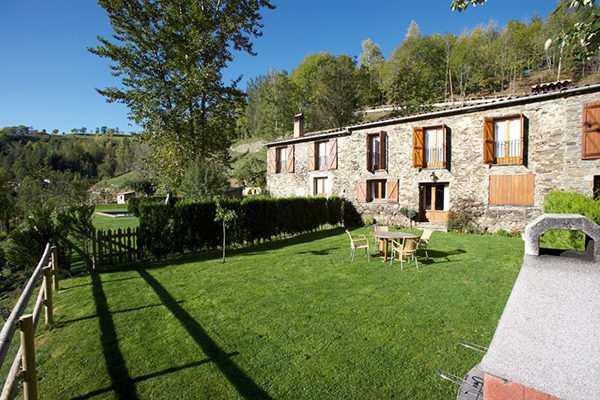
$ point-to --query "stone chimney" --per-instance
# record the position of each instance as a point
(547, 343)
(298, 125)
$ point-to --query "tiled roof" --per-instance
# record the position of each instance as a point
(512, 100)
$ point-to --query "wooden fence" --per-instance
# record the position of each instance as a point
(24, 362)
(112, 247)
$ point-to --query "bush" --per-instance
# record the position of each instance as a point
(156, 228)
(561, 202)
(463, 216)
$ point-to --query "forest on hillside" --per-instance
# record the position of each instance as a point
(485, 61)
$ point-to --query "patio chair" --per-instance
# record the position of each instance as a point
(359, 242)
(424, 241)
(405, 248)
(382, 242)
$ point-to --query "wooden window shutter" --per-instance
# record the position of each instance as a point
(515, 190)
(392, 190)
(332, 153)
(444, 148)
(361, 191)
(382, 150)
(369, 154)
(312, 151)
(488, 140)
(272, 160)
(522, 155)
(290, 158)
(418, 147)
(590, 141)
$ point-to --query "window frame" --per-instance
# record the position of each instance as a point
(490, 143)
(388, 187)
(317, 179)
(330, 155)
(382, 151)
(420, 147)
(275, 159)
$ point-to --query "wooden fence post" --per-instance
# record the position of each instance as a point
(55, 266)
(94, 255)
(29, 373)
(48, 294)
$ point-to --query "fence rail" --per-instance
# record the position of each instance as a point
(24, 362)
(112, 247)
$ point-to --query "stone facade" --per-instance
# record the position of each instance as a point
(552, 154)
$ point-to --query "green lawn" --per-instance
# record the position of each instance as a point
(292, 319)
(104, 222)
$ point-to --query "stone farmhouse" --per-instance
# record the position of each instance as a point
(506, 154)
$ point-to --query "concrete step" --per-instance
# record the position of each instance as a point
(432, 226)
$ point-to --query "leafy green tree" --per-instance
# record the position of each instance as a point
(252, 169)
(77, 220)
(303, 79)
(205, 179)
(7, 199)
(227, 218)
(414, 73)
(371, 62)
(336, 94)
(170, 55)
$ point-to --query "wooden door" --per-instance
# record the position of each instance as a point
(433, 204)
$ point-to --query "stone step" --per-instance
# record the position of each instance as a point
(432, 226)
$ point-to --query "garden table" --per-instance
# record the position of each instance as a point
(387, 236)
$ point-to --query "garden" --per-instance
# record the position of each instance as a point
(292, 318)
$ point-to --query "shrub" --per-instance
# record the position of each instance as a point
(411, 215)
(464, 215)
(156, 228)
(561, 202)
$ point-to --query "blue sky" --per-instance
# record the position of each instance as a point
(47, 77)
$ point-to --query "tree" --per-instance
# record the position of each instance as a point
(205, 179)
(371, 62)
(336, 94)
(170, 58)
(582, 38)
(227, 217)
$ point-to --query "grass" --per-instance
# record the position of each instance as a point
(289, 319)
(104, 222)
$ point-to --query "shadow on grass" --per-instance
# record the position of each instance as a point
(245, 386)
(145, 377)
(218, 254)
(122, 384)
(65, 323)
(436, 254)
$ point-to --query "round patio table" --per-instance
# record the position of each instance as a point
(387, 236)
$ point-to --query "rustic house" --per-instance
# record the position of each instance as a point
(506, 154)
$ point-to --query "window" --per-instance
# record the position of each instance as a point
(281, 159)
(429, 147)
(379, 190)
(322, 155)
(503, 140)
(515, 190)
(590, 142)
(377, 151)
(320, 186)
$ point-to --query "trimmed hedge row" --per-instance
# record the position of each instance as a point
(191, 225)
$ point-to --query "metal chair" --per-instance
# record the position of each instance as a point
(382, 242)
(405, 248)
(359, 242)
(424, 241)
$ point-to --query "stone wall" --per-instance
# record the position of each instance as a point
(553, 156)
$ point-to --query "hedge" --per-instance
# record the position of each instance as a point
(561, 202)
(191, 225)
